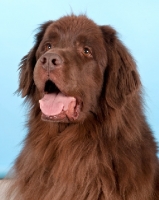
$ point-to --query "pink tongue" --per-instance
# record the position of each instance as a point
(54, 104)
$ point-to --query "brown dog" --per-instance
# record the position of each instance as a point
(88, 138)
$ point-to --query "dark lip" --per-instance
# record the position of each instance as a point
(54, 118)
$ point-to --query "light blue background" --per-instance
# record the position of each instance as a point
(136, 21)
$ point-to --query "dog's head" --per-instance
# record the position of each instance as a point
(73, 66)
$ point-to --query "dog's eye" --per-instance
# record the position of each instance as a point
(48, 46)
(87, 51)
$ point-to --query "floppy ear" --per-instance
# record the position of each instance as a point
(121, 76)
(27, 64)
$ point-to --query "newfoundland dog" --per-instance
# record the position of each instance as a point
(88, 138)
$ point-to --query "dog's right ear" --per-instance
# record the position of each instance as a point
(27, 64)
(121, 77)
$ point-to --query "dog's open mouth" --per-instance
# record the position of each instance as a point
(56, 106)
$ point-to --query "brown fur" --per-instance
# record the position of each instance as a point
(108, 153)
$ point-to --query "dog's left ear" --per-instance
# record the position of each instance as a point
(26, 82)
(121, 76)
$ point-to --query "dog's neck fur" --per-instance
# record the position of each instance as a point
(66, 151)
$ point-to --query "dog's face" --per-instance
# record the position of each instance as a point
(68, 73)
(73, 64)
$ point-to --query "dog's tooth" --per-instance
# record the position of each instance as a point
(52, 117)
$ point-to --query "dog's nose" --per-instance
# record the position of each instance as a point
(50, 61)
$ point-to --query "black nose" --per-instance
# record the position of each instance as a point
(50, 61)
